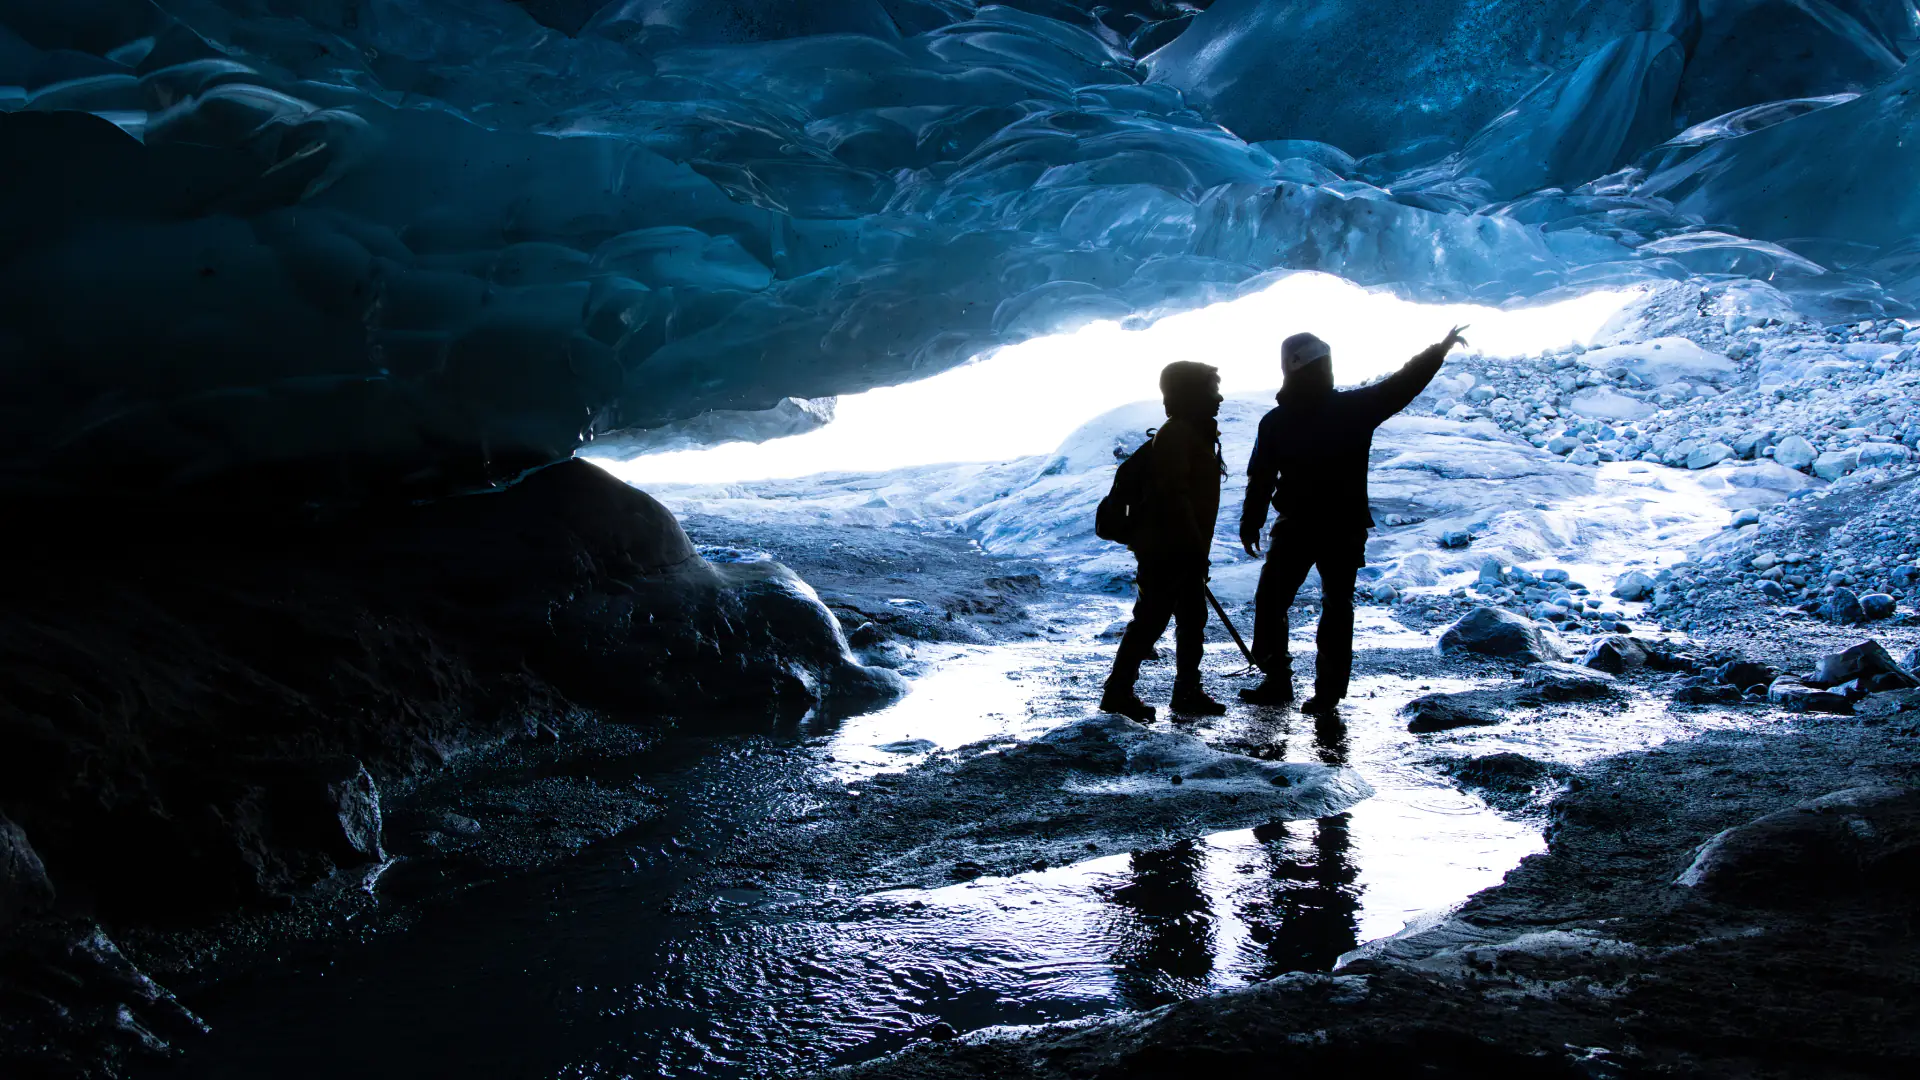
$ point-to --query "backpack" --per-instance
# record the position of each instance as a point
(1120, 511)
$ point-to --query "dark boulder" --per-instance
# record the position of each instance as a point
(1876, 606)
(1834, 846)
(1569, 682)
(1615, 654)
(1795, 696)
(1843, 607)
(1707, 690)
(1744, 674)
(1443, 712)
(1865, 659)
(1492, 631)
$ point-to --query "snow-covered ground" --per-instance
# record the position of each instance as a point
(1683, 421)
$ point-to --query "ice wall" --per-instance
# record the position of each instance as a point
(422, 244)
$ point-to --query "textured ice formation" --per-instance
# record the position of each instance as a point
(424, 244)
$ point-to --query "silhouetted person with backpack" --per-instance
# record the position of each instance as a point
(1164, 507)
(1310, 464)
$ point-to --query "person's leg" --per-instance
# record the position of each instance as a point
(1151, 612)
(1190, 640)
(1339, 566)
(1288, 561)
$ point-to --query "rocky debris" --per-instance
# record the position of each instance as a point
(1615, 654)
(1633, 585)
(1794, 695)
(1875, 606)
(1868, 660)
(75, 1006)
(24, 886)
(1116, 756)
(1554, 681)
(1492, 631)
(1830, 847)
(1745, 674)
(1706, 690)
(1510, 782)
(1843, 607)
(1443, 712)
(1889, 703)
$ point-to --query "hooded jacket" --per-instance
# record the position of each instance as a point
(1183, 492)
(1310, 458)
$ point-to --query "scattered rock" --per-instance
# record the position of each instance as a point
(1744, 674)
(1888, 703)
(1705, 690)
(1615, 654)
(1457, 538)
(966, 870)
(1443, 712)
(908, 746)
(1865, 659)
(1492, 631)
(1794, 452)
(1795, 696)
(1843, 608)
(1569, 682)
(1708, 456)
(1633, 585)
(1836, 464)
(1876, 606)
(1831, 847)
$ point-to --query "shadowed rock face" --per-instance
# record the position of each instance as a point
(206, 717)
(1836, 845)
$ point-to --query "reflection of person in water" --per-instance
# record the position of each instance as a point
(1166, 932)
(1310, 913)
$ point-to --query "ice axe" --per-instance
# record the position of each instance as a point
(1252, 664)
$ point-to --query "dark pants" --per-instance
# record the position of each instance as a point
(1292, 552)
(1170, 589)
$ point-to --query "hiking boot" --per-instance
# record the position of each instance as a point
(1321, 705)
(1190, 700)
(1123, 700)
(1273, 691)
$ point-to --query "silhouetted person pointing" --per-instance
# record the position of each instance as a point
(1310, 464)
(1171, 539)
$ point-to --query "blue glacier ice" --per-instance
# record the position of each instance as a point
(424, 244)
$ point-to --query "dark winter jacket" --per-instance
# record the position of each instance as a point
(1310, 458)
(1183, 492)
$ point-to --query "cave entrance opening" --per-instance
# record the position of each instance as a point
(1026, 398)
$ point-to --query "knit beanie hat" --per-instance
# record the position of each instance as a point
(1300, 350)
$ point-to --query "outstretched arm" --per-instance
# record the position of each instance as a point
(1262, 473)
(1397, 391)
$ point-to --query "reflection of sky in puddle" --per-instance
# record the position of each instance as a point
(1132, 930)
(970, 694)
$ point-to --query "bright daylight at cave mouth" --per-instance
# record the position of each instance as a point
(565, 538)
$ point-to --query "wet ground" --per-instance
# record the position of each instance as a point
(801, 899)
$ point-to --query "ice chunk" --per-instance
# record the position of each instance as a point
(1662, 361)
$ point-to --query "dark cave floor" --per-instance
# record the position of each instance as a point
(773, 894)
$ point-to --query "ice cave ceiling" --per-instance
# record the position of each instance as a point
(420, 244)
